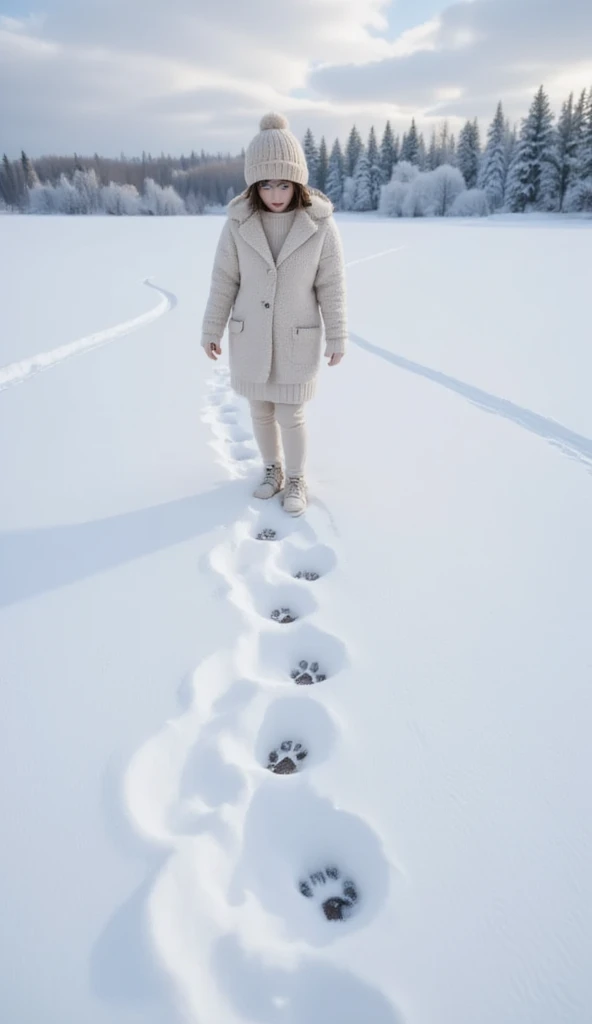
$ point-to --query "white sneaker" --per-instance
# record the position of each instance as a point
(295, 496)
(272, 482)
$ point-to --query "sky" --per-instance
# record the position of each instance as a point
(113, 76)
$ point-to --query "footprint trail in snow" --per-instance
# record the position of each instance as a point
(227, 784)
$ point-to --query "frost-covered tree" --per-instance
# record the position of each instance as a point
(446, 184)
(323, 165)
(418, 197)
(9, 186)
(161, 202)
(29, 172)
(432, 193)
(312, 158)
(375, 168)
(88, 188)
(120, 200)
(472, 203)
(353, 150)
(567, 139)
(362, 199)
(468, 153)
(494, 167)
(348, 194)
(511, 141)
(394, 193)
(532, 179)
(410, 147)
(372, 147)
(42, 199)
(335, 176)
(229, 195)
(421, 153)
(388, 154)
(195, 203)
(579, 193)
(432, 156)
(446, 145)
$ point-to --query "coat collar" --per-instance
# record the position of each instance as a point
(305, 224)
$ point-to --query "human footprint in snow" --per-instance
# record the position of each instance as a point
(279, 275)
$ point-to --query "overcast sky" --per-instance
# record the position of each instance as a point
(176, 75)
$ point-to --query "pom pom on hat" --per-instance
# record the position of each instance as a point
(273, 121)
(275, 153)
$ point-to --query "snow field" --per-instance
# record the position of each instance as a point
(447, 747)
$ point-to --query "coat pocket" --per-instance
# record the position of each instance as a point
(306, 345)
(235, 326)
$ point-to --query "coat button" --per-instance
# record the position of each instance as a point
(266, 305)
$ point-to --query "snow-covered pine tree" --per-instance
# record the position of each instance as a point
(372, 147)
(585, 146)
(312, 158)
(584, 163)
(410, 147)
(568, 131)
(445, 145)
(469, 153)
(421, 152)
(362, 199)
(432, 153)
(353, 149)
(375, 168)
(7, 183)
(323, 165)
(510, 141)
(29, 172)
(335, 176)
(579, 193)
(452, 150)
(532, 178)
(494, 167)
(388, 155)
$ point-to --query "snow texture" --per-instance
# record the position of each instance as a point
(154, 866)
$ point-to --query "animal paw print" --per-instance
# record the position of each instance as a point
(337, 896)
(283, 615)
(267, 534)
(306, 673)
(293, 755)
(305, 575)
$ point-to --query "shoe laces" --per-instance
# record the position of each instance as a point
(295, 487)
(271, 473)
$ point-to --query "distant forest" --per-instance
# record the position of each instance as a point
(543, 164)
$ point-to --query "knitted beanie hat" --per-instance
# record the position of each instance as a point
(275, 153)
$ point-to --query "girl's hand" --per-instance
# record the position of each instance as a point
(213, 351)
(336, 359)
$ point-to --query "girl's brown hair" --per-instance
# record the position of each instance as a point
(300, 199)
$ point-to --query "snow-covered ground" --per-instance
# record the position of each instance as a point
(150, 863)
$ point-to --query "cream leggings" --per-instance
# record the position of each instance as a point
(271, 417)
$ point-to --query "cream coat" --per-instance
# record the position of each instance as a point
(281, 312)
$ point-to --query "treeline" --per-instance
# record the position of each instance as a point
(546, 164)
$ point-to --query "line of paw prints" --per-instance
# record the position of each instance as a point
(338, 897)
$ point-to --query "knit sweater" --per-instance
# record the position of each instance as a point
(277, 228)
(281, 309)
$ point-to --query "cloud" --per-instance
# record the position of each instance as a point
(112, 75)
(123, 74)
(479, 52)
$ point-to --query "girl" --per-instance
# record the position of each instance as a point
(278, 268)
